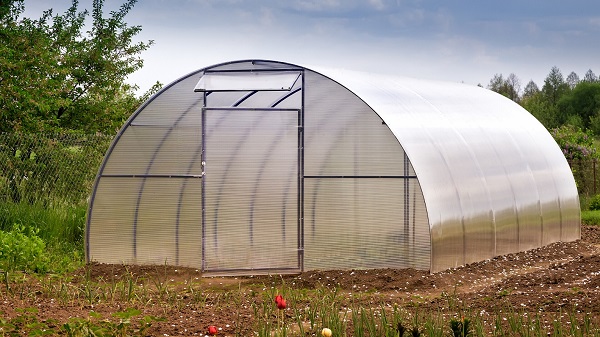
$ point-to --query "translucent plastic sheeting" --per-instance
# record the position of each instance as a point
(259, 81)
(251, 183)
(362, 223)
(493, 179)
(347, 170)
(146, 221)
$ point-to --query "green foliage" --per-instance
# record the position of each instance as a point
(27, 323)
(554, 86)
(595, 203)
(22, 249)
(45, 183)
(574, 143)
(541, 109)
(54, 74)
(93, 326)
(590, 218)
(584, 102)
(461, 328)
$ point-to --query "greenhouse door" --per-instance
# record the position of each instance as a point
(251, 217)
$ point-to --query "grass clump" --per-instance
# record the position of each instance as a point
(590, 217)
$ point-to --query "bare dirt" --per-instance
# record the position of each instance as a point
(557, 282)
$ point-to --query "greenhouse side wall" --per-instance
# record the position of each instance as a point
(358, 221)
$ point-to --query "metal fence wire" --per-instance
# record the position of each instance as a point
(60, 168)
(49, 169)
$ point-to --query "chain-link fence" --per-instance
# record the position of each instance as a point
(49, 169)
(60, 168)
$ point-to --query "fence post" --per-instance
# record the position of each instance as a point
(594, 169)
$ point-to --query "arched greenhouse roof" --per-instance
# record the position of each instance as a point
(483, 162)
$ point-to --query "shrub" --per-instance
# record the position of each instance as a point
(595, 203)
(574, 143)
(22, 249)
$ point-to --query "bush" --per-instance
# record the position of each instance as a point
(574, 143)
(595, 203)
(22, 249)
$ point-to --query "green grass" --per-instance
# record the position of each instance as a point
(56, 223)
(590, 218)
(60, 226)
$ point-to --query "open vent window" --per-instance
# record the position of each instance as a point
(247, 81)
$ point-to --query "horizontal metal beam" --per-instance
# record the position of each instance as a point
(151, 175)
(361, 177)
(251, 70)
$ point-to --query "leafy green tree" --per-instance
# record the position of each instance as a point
(554, 86)
(530, 89)
(53, 74)
(536, 103)
(583, 101)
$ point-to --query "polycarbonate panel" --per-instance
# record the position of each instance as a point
(343, 137)
(157, 150)
(251, 190)
(246, 81)
(110, 222)
(147, 221)
(381, 222)
(176, 104)
(493, 179)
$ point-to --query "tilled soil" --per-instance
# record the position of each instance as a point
(557, 282)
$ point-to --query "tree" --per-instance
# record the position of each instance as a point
(554, 86)
(572, 80)
(541, 109)
(530, 89)
(583, 101)
(590, 76)
(56, 75)
(509, 87)
(514, 86)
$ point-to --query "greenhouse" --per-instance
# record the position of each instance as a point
(256, 167)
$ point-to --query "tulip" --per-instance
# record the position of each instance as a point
(326, 332)
(212, 330)
(281, 304)
(278, 298)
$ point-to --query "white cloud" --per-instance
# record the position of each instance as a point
(594, 21)
(377, 4)
(317, 5)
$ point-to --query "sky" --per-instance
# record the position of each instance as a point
(465, 41)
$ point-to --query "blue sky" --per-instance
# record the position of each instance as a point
(453, 40)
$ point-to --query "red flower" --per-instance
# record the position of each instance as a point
(212, 330)
(278, 299)
(281, 304)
